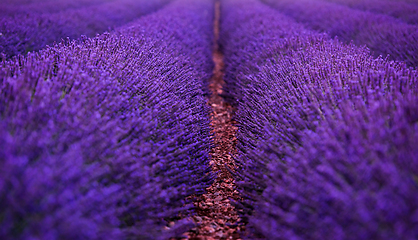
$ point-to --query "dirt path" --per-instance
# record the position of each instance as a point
(216, 216)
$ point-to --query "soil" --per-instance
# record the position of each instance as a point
(217, 217)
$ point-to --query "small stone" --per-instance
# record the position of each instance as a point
(219, 234)
(210, 230)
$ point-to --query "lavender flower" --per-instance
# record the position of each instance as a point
(326, 132)
(29, 32)
(384, 35)
(403, 10)
(106, 137)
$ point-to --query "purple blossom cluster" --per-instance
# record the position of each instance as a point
(327, 134)
(107, 137)
(44, 6)
(405, 11)
(21, 33)
(384, 35)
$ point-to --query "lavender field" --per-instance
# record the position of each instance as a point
(208, 119)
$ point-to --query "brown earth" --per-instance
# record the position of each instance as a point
(217, 218)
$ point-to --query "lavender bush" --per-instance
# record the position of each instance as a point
(23, 33)
(407, 1)
(402, 10)
(46, 6)
(326, 132)
(105, 138)
(384, 35)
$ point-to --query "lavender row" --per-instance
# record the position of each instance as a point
(23, 2)
(107, 137)
(23, 33)
(10, 9)
(326, 133)
(384, 35)
(405, 11)
(407, 1)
